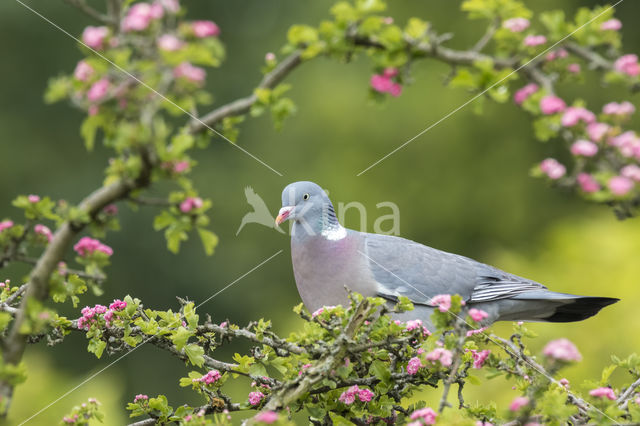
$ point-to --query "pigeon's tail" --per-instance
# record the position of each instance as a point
(549, 306)
(580, 308)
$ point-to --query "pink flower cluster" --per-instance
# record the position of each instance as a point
(523, 94)
(574, 115)
(441, 355)
(33, 198)
(628, 143)
(611, 25)
(557, 54)
(83, 71)
(516, 25)
(94, 37)
(479, 357)
(416, 325)
(98, 90)
(89, 315)
(321, 310)
(202, 29)
(518, 403)
(305, 366)
(266, 417)
(478, 314)
(584, 148)
(631, 171)
(140, 15)
(383, 83)
(574, 68)
(427, 415)
(87, 246)
(552, 104)
(587, 183)
(534, 40)
(603, 393)
(211, 377)
(140, 397)
(43, 230)
(442, 301)
(552, 168)
(620, 185)
(255, 397)
(414, 365)
(627, 64)
(190, 73)
(349, 396)
(562, 349)
(118, 305)
(597, 131)
(5, 224)
(169, 42)
(623, 108)
(476, 331)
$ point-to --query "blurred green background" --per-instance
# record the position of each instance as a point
(462, 187)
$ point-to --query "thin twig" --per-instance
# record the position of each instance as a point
(90, 11)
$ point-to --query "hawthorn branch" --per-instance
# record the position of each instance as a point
(81, 274)
(242, 105)
(275, 343)
(91, 12)
(623, 399)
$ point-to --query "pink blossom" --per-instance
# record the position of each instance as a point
(5, 224)
(562, 349)
(551, 104)
(425, 414)
(33, 198)
(442, 301)
(100, 309)
(479, 357)
(110, 209)
(108, 317)
(534, 40)
(266, 417)
(140, 397)
(382, 82)
(388, 20)
(628, 143)
(584, 148)
(620, 185)
(181, 166)
(190, 72)
(573, 68)
(573, 115)
(414, 365)
(522, 94)
(587, 183)
(349, 396)
(140, 15)
(202, 29)
(516, 25)
(83, 71)
(98, 90)
(304, 367)
(255, 397)
(627, 64)
(190, 203)
(87, 246)
(43, 230)
(94, 37)
(270, 57)
(564, 383)
(603, 392)
(611, 25)
(365, 395)
(481, 423)
(93, 110)
(169, 42)
(413, 324)
(212, 376)
(623, 108)
(557, 54)
(118, 305)
(518, 403)
(596, 131)
(476, 331)
(552, 168)
(444, 356)
(478, 314)
(631, 171)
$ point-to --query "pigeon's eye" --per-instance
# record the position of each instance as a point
(305, 197)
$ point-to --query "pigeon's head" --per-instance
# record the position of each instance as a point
(305, 202)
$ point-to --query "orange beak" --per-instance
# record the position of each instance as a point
(283, 214)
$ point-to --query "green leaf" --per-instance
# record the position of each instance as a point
(302, 34)
(381, 371)
(96, 346)
(195, 354)
(180, 337)
(209, 240)
(88, 130)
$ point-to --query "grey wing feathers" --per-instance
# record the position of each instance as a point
(405, 268)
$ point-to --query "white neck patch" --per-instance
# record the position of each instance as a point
(334, 233)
